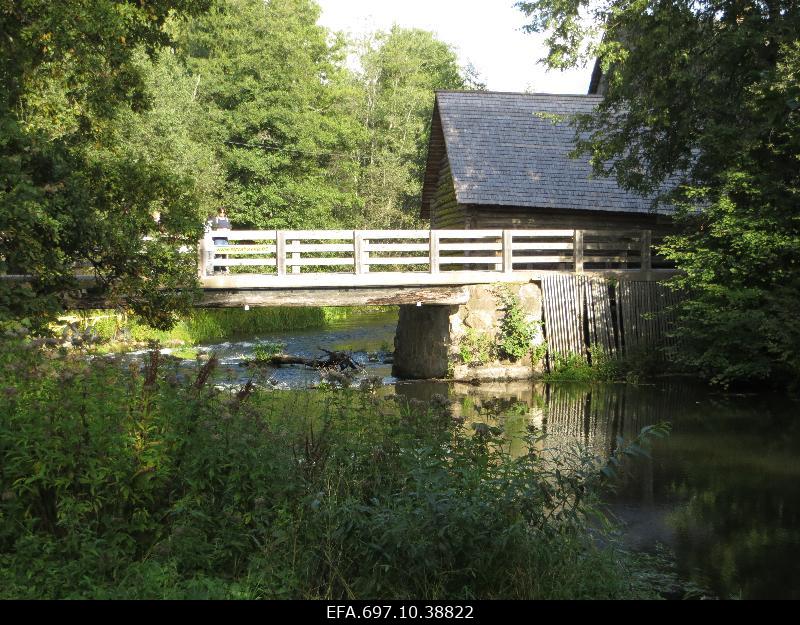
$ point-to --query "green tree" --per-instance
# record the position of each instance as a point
(268, 77)
(73, 188)
(173, 130)
(401, 70)
(703, 107)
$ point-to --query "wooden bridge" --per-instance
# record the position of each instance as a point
(377, 267)
(430, 274)
(270, 267)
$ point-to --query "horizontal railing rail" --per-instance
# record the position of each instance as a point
(285, 253)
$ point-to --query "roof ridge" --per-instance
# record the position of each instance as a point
(518, 93)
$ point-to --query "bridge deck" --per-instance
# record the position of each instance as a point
(322, 281)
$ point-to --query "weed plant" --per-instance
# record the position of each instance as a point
(126, 481)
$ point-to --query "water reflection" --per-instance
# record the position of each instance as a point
(721, 491)
(594, 415)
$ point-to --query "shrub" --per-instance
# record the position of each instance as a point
(476, 348)
(576, 368)
(122, 481)
(516, 336)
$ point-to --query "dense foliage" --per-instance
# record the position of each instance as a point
(517, 331)
(305, 139)
(125, 125)
(703, 107)
(123, 481)
(401, 70)
(74, 186)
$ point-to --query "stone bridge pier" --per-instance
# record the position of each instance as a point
(430, 337)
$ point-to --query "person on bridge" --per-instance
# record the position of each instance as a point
(221, 222)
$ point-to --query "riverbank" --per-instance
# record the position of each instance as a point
(110, 331)
(128, 482)
(725, 475)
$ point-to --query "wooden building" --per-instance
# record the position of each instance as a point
(498, 160)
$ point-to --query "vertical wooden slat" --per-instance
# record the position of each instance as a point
(599, 318)
(634, 318)
(591, 319)
(434, 251)
(358, 252)
(577, 247)
(646, 258)
(508, 251)
(607, 326)
(622, 316)
(280, 252)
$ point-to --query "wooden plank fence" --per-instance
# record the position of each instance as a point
(563, 314)
(582, 312)
(282, 254)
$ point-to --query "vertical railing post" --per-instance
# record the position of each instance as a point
(280, 252)
(358, 252)
(508, 251)
(646, 258)
(577, 250)
(434, 251)
(211, 246)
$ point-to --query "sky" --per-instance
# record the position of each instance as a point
(484, 32)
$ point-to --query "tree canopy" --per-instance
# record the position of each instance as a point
(401, 70)
(124, 125)
(703, 106)
(74, 187)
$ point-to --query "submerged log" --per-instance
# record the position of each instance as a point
(341, 360)
(280, 360)
(335, 360)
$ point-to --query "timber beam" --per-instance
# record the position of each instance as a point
(441, 296)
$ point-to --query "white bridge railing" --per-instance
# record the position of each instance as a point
(329, 258)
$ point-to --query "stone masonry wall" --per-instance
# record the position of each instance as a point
(428, 337)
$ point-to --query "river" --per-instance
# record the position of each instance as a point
(720, 493)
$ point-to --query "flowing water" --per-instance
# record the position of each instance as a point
(721, 492)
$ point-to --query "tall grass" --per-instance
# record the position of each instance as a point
(212, 325)
(124, 481)
(604, 367)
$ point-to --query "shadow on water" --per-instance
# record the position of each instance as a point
(721, 491)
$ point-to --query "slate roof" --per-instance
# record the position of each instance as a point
(502, 153)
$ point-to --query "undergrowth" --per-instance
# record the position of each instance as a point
(128, 481)
(201, 326)
(600, 366)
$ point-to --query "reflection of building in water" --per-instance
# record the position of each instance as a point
(593, 415)
(600, 414)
